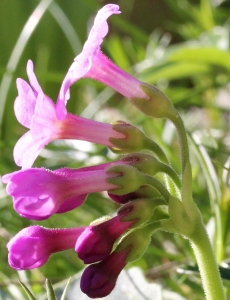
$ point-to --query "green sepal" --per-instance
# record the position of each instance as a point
(160, 213)
(145, 191)
(137, 241)
(140, 210)
(157, 106)
(127, 178)
(151, 165)
(135, 139)
(100, 220)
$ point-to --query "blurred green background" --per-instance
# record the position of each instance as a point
(180, 46)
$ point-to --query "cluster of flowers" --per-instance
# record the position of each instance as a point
(39, 193)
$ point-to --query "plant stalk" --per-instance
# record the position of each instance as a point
(207, 264)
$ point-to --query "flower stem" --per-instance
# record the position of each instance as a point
(186, 166)
(206, 261)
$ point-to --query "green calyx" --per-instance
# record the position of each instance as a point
(157, 106)
(140, 210)
(127, 178)
(145, 191)
(135, 139)
(137, 241)
(150, 165)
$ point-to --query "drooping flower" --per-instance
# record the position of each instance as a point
(96, 241)
(98, 280)
(36, 111)
(39, 193)
(92, 63)
(32, 246)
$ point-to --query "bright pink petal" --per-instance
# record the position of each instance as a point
(71, 203)
(27, 149)
(24, 104)
(43, 121)
(32, 77)
(82, 63)
(31, 208)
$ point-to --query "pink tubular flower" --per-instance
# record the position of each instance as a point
(39, 193)
(92, 63)
(98, 280)
(32, 246)
(36, 111)
(96, 241)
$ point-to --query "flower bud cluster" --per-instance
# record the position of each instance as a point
(109, 243)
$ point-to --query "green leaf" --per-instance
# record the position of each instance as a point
(27, 291)
(210, 55)
(65, 290)
(50, 290)
(174, 70)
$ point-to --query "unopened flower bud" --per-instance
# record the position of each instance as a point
(98, 280)
(96, 242)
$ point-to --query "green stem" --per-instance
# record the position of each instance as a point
(157, 185)
(206, 261)
(183, 142)
(177, 121)
(155, 148)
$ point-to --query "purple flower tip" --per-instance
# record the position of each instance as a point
(32, 246)
(28, 249)
(39, 193)
(98, 280)
(96, 242)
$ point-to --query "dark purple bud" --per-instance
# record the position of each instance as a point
(96, 242)
(98, 280)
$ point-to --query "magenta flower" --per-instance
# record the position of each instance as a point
(36, 111)
(96, 241)
(98, 280)
(32, 246)
(92, 63)
(39, 193)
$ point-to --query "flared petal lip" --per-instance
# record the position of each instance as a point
(83, 62)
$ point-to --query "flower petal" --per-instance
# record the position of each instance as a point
(82, 63)
(32, 77)
(33, 208)
(26, 150)
(43, 121)
(71, 203)
(24, 104)
(35, 257)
